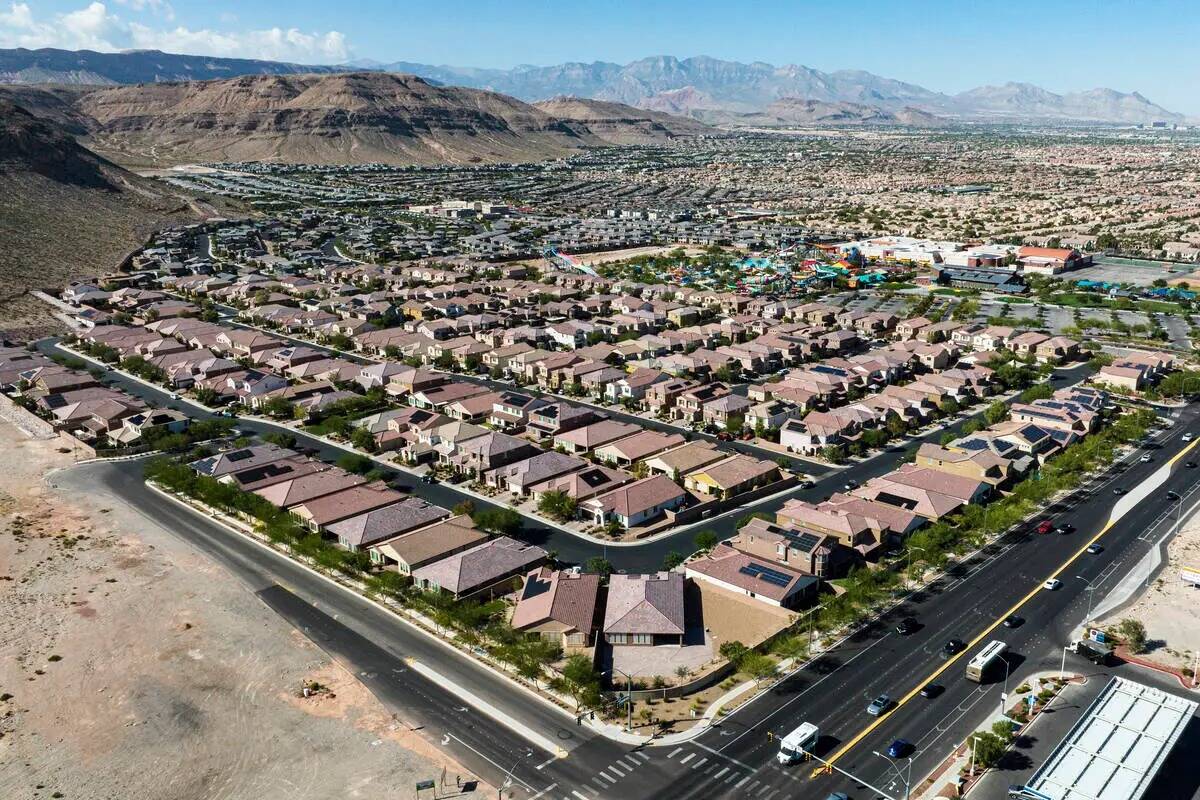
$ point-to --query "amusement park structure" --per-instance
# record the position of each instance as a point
(564, 262)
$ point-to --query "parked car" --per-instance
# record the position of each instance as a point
(906, 626)
(879, 705)
(899, 748)
(1045, 526)
(1052, 585)
(1095, 549)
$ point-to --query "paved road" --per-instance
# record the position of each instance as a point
(834, 692)
(641, 557)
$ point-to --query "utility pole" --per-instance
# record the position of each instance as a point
(830, 766)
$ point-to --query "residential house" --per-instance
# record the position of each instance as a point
(644, 444)
(589, 437)
(819, 554)
(768, 582)
(413, 549)
(645, 609)
(518, 476)
(678, 461)
(485, 569)
(362, 531)
(731, 477)
(559, 606)
(635, 503)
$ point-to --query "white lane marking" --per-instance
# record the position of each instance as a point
(549, 788)
(613, 767)
(580, 796)
(797, 697)
(485, 758)
(645, 758)
(674, 752)
(687, 758)
(548, 761)
(605, 776)
(631, 764)
(698, 763)
(722, 772)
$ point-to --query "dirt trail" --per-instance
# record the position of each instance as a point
(131, 667)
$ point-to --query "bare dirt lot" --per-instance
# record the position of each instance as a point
(1168, 607)
(131, 667)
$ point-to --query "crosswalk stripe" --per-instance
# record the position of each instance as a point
(772, 794)
(738, 785)
(674, 752)
(687, 758)
(698, 763)
(630, 763)
(613, 767)
(719, 774)
(598, 783)
(580, 796)
(733, 775)
(605, 776)
(643, 756)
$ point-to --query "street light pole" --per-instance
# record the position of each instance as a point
(628, 699)
(1090, 590)
(908, 569)
(1062, 672)
(906, 780)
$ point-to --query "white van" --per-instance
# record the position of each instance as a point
(793, 746)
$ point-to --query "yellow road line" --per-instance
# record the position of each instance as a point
(979, 638)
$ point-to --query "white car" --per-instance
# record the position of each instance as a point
(1052, 584)
(1187, 437)
(1146, 458)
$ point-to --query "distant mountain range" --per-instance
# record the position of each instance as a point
(700, 87)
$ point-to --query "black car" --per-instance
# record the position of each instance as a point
(906, 626)
(931, 690)
(1065, 528)
(1190, 464)
(953, 647)
(1013, 621)
(1118, 490)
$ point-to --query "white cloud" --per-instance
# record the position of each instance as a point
(92, 27)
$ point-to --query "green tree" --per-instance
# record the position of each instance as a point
(758, 665)
(733, 651)
(597, 565)
(558, 505)
(581, 681)
(996, 413)
(706, 540)
(672, 560)
(363, 439)
(1133, 633)
(356, 463)
(503, 521)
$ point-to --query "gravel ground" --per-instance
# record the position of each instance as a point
(131, 667)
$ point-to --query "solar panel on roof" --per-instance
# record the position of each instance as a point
(239, 455)
(804, 541)
(765, 573)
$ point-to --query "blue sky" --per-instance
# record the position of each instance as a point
(1062, 45)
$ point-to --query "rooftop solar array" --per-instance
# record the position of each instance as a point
(765, 573)
(803, 541)
(1115, 749)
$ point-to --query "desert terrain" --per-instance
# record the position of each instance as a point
(132, 667)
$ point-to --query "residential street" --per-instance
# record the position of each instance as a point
(734, 759)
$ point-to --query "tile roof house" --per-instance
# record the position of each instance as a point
(518, 476)
(320, 512)
(924, 491)
(626, 452)
(983, 465)
(416, 548)
(304, 488)
(379, 524)
(559, 606)
(678, 461)
(819, 554)
(589, 437)
(556, 418)
(645, 609)
(478, 454)
(635, 503)
(242, 458)
(731, 476)
(581, 484)
(768, 582)
(486, 568)
(257, 477)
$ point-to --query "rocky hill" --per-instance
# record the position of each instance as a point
(323, 119)
(66, 212)
(619, 124)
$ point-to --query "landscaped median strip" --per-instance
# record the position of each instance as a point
(981, 636)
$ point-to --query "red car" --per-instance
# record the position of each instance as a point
(1044, 526)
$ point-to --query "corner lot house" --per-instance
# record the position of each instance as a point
(645, 609)
(559, 606)
(770, 583)
(635, 503)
